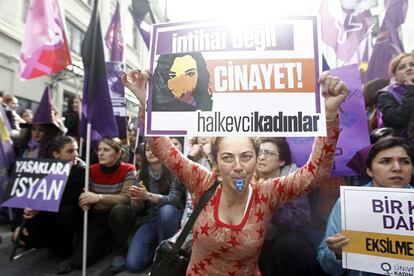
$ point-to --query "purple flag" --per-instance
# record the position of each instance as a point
(354, 128)
(344, 25)
(96, 105)
(140, 8)
(4, 171)
(6, 150)
(113, 37)
(44, 48)
(388, 43)
(6, 141)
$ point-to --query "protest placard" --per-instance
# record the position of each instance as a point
(114, 71)
(37, 184)
(214, 78)
(354, 128)
(379, 223)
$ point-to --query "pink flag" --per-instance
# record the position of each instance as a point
(44, 49)
(113, 37)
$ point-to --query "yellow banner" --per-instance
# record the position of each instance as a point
(382, 245)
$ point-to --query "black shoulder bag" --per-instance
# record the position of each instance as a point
(170, 258)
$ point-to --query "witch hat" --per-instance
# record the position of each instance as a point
(44, 114)
(357, 162)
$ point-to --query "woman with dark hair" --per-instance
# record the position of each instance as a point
(27, 115)
(181, 83)
(41, 131)
(287, 248)
(71, 116)
(110, 217)
(36, 141)
(229, 231)
(389, 164)
(370, 93)
(56, 230)
(158, 199)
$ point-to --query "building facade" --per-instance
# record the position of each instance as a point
(69, 82)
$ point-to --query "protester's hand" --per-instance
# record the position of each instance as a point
(138, 192)
(29, 213)
(16, 232)
(195, 151)
(335, 91)
(136, 81)
(86, 199)
(336, 242)
(77, 160)
(206, 149)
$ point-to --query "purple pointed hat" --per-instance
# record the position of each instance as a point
(44, 114)
(357, 162)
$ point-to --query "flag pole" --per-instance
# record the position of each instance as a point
(85, 214)
(88, 130)
(137, 130)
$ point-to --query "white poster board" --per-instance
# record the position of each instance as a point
(379, 223)
(213, 78)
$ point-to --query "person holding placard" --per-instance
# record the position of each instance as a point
(35, 142)
(229, 232)
(389, 164)
(56, 230)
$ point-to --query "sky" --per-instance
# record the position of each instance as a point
(179, 10)
(202, 9)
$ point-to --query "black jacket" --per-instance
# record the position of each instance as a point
(394, 114)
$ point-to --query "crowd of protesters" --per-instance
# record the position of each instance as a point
(138, 194)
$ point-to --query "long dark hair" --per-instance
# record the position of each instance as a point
(70, 104)
(165, 179)
(162, 97)
(59, 143)
(51, 132)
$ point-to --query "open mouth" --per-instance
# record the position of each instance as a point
(235, 178)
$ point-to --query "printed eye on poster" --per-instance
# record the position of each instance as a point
(214, 78)
(379, 223)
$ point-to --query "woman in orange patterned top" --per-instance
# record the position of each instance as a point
(229, 232)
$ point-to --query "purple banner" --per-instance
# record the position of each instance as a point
(37, 184)
(388, 44)
(354, 127)
(7, 156)
(114, 71)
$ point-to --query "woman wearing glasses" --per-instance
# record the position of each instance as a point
(286, 250)
(229, 232)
